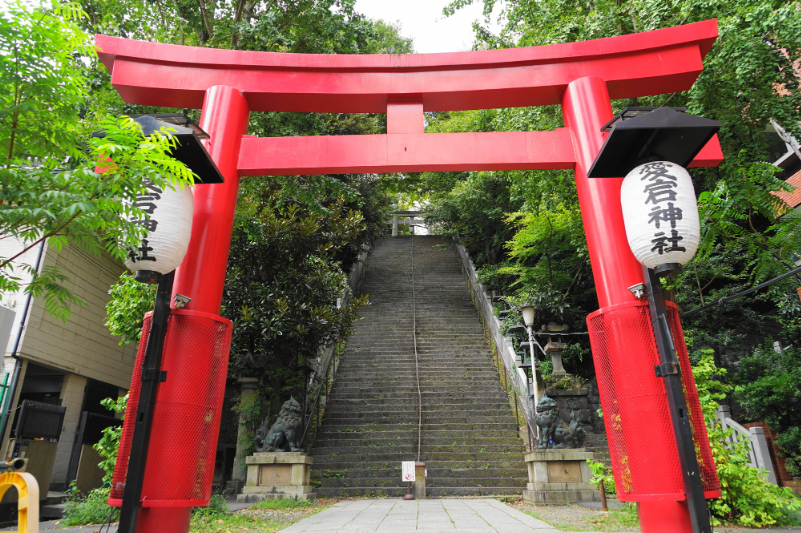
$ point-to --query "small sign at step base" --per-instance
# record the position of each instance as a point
(407, 470)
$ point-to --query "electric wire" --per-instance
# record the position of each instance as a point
(742, 293)
(416, 365)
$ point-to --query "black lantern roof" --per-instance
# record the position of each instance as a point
(642, 134)
(189, 150)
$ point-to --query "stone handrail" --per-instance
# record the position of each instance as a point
(324, 370)
(759, 455)
(504, 345)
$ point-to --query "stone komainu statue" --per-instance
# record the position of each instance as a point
(553, 429)
(286, 433)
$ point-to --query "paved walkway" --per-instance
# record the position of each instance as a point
(400, 516)
(432, 516)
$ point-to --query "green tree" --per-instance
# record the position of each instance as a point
(747, 499)
(50, 191)
(125, 312)
(285, 290)
(768, 387)
(388, 39)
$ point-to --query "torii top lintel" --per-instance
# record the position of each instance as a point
(404, 86)
(642, 64)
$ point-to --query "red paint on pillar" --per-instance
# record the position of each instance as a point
(664, 517)
(201, 276)
(163, 519)
(586, 108)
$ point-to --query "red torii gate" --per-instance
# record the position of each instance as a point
(583, 77)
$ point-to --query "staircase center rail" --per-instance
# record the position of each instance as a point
(416, 365)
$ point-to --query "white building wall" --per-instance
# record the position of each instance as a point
(82, 345)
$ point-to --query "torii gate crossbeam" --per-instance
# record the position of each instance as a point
(582, 77)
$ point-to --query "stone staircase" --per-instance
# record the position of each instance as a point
(469, 438)
(598, 445)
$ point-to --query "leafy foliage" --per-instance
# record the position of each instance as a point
(125, 313)
(109, 444)
(92, 508)
(216, 508)
(51, 191)
(475, 211)
(284, 285)
(768, 387)
(748, 499)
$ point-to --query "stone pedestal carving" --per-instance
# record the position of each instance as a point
(282, 475)
(558, 477)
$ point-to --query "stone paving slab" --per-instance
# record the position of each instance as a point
(431, 516)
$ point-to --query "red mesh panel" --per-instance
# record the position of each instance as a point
(638, 426)
(186, 418)
(703, 452)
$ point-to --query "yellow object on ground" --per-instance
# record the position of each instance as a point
(28, 499)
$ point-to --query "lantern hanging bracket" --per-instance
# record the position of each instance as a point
(151, 374)
(667, 369)
(638, 291)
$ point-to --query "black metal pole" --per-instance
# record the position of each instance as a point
(152, 375)
(670, 369)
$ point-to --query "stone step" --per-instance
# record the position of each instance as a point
(431, 482)
(357, 425)
(435, 492)
(466, 430)
(470, 440)
(380, 472)
(443, 445)
(349, 454)
(393, 414)
(450, 402)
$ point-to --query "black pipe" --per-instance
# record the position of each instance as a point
(152, 375)
(670, 370)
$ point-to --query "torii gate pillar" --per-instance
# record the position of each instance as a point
(202, 273)
(586, 108)
(224, 117)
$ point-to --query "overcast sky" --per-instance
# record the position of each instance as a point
(423, 20)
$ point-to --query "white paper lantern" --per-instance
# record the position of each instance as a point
(661, 215)
(169, 227)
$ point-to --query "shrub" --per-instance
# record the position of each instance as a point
(216, 507)
(110, 442)
(747, 499)
(89, 509)
(601, 472)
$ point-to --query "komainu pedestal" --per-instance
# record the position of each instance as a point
(557, 477)
(279, 476)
